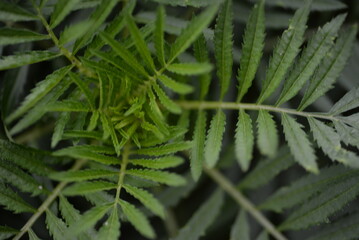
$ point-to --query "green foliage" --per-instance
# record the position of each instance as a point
(119, 108)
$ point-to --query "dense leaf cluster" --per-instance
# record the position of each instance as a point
(139, 104)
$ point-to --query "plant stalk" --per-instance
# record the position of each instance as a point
(250, 106)
(45, 205)
(227, 186)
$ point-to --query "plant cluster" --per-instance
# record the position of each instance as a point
(140, 108)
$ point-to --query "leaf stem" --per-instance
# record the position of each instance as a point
(62, 49)
(122, 173)
(45, 205)
(243, 202)
(250, 106)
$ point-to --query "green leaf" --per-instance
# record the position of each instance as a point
(348, 102)
(137, 219)
(311, 57)
(252, 49)
(268, 138)
(285, 52)
(88, 220)
(168, 178)
(318, 209)
(343, 228)
(56, 226)
(199, 138)
(81, 175)
(214, 138)
(78, 152)
(81, 134)
(21, 59)
(175, 86)
(299, 144)
(18, 35)
(304, 188)
(223, 45)
(108, 126)
(25, 157)
(190, 68)
(74, 32)
(38, 110)
(140, 43)
(113, 28)
(147, 199)
(333, 64)
(13, 12)
(84, 88)
(59, 128)
(158, 36)
(97, 18)
(240, 228)
(13, 202)
(71, 215)
(348, 135)
(192, 31)
(68, 106)
(83, 187)
(165, 149)
(111, 228)
(202, 219)
(201, 54)
(267, 169)
(37, 93)
(158, 163)
(165, 100)
(6, 232)
(62, 9)
(329, 141)
(17, 177)
(125, 54)
(244, 140)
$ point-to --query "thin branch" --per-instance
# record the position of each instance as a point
(122, 173)
(63, 50)
(243, 202)
(250, 106)
(45, 205)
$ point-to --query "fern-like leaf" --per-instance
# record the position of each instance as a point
(223, 35)
(214, 138)
(240, 228)
(268, 138)
(285, 52)
(197, 153)
(321, 42)
(18, 35)
(328, 72)
(244, 140)
(299, 144)
(253, 43)
(137, 219)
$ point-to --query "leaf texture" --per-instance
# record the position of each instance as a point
(190, 68)
(199, 137)
(330, 69)
(192, 31)
(299, 144)
(18, 35)
(168, 178)
(62, 9)
(214, 138)
(137, 219)
(268, 138)
(285, 52)
(223, 43)
(321, 42)
(240, 228)
(252, 49)
(244, 140)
